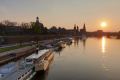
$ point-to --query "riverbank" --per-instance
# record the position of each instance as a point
(29, 38)
(11, 48)
(16, 54)
(20, 52)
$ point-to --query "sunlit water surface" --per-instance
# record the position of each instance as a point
(91, 59)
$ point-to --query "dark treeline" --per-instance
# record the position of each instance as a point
(13, 28)
(8, 28)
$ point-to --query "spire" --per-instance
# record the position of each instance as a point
(77, 28)
(37, 19)
(84, 27)
(74, 26)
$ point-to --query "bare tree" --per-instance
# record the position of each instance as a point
(9, 23)
(25, 25)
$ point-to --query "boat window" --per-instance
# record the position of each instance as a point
(28, 60)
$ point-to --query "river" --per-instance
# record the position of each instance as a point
(90, 59)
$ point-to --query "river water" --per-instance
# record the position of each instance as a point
(90, 59)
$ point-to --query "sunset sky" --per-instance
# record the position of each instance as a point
(64, 13)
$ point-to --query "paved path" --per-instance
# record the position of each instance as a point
(16, 50)
(15, 54)
(12, 45)
(9, 55)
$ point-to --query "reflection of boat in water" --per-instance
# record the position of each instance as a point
(41, 60)
(61, 44)
(58, 50)
(69, 42)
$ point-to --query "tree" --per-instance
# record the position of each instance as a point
(25, 25)
(2, 28)
(45, 30)
(9, 23)
(61, 30)
(53, 30)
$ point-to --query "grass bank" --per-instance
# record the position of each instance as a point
(11, 48)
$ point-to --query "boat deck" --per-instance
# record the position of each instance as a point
(19, 70)
(16, 75)
(38, 55)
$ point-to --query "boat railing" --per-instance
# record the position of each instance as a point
(24, 75)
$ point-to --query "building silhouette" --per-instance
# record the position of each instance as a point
(83, 31)
(39, 27)
(76, 30)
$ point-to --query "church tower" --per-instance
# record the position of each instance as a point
(37, 19)
(84, 27)
(74, 27)
(38, 27)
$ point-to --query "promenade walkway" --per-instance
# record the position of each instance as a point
(10, 55)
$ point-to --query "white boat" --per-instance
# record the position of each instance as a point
(13, 71)
(41, 60)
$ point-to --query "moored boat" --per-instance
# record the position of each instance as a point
(15, 71)
(41, 60)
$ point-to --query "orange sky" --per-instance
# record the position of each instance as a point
(64, 13)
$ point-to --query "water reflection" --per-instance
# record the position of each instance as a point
(76, 41)
(41, 75)
(105, 64)
(84, 42)
(103, 44)
(59, 50)
(96, 64)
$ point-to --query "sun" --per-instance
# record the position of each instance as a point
(103, 24)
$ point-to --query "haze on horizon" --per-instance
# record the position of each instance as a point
(64, 13)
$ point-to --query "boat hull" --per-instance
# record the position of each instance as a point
(44, 64)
